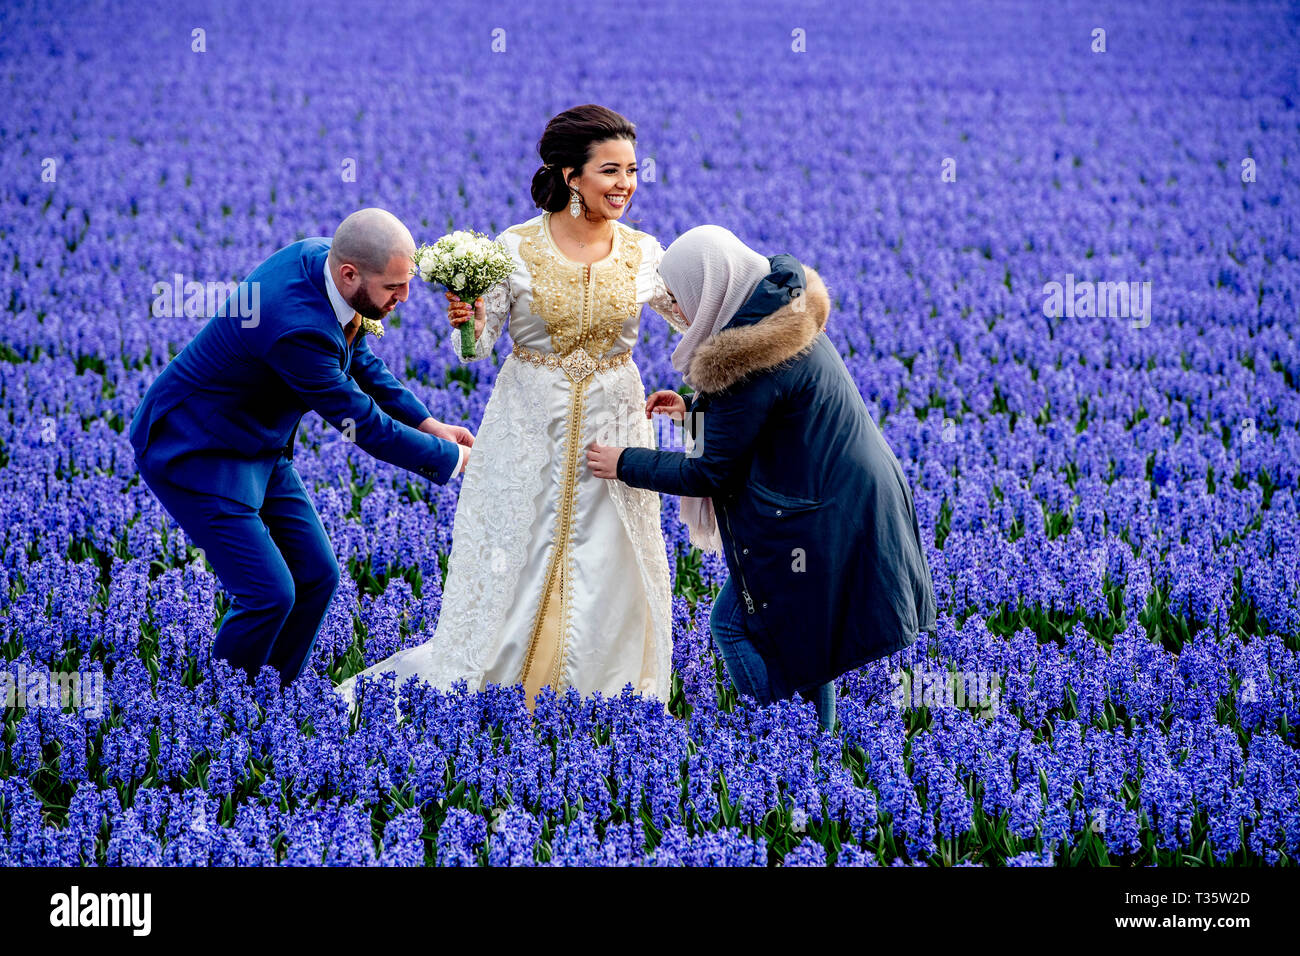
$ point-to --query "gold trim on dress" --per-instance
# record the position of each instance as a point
(545, 641)
(557, 281)
(577, 419)
(604, 293)
(577, 364)
(547, 631)
(555, 246)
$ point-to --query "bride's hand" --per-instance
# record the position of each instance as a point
(666, 402)
(458, 312)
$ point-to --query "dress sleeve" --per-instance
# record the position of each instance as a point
(660, 301)
(497, 302)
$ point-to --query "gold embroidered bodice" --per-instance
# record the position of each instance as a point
(583, 306)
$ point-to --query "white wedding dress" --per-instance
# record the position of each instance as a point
(556, 576)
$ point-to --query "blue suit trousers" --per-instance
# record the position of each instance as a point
(276, 563)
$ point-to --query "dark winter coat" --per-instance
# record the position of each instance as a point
(817, 520)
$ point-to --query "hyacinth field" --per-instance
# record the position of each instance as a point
(1109, 502)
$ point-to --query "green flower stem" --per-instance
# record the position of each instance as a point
(467, 338)
(467, 335)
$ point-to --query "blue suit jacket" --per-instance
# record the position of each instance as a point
(228, 405)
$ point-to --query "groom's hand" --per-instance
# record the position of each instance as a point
(461, 436)
(603, 460)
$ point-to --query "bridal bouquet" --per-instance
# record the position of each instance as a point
(468, 263)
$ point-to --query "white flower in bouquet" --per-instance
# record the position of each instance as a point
(468, 263)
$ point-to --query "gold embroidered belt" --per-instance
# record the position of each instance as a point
(578, 364)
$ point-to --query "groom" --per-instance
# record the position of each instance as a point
(214, 435)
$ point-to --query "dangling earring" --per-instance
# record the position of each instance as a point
(575, 203)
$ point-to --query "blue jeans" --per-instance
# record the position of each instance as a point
(745, 666)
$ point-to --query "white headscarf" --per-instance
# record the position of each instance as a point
(711, 273)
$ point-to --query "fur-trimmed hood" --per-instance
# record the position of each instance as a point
(742, 349)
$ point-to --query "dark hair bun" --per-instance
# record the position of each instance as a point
(546, 182)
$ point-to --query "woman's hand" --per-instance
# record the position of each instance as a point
(603, 460)
(666, 403)
(458, 312)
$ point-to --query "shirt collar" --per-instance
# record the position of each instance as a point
(342, 311)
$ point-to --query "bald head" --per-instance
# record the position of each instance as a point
(369, 239)
(371, 261)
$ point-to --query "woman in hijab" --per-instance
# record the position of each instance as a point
(788, 475)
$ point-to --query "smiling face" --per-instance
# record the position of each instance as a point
(608, 180)
(376, 294)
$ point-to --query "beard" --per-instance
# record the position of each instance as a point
(366, 305)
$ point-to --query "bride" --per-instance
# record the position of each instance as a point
(557, 577)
